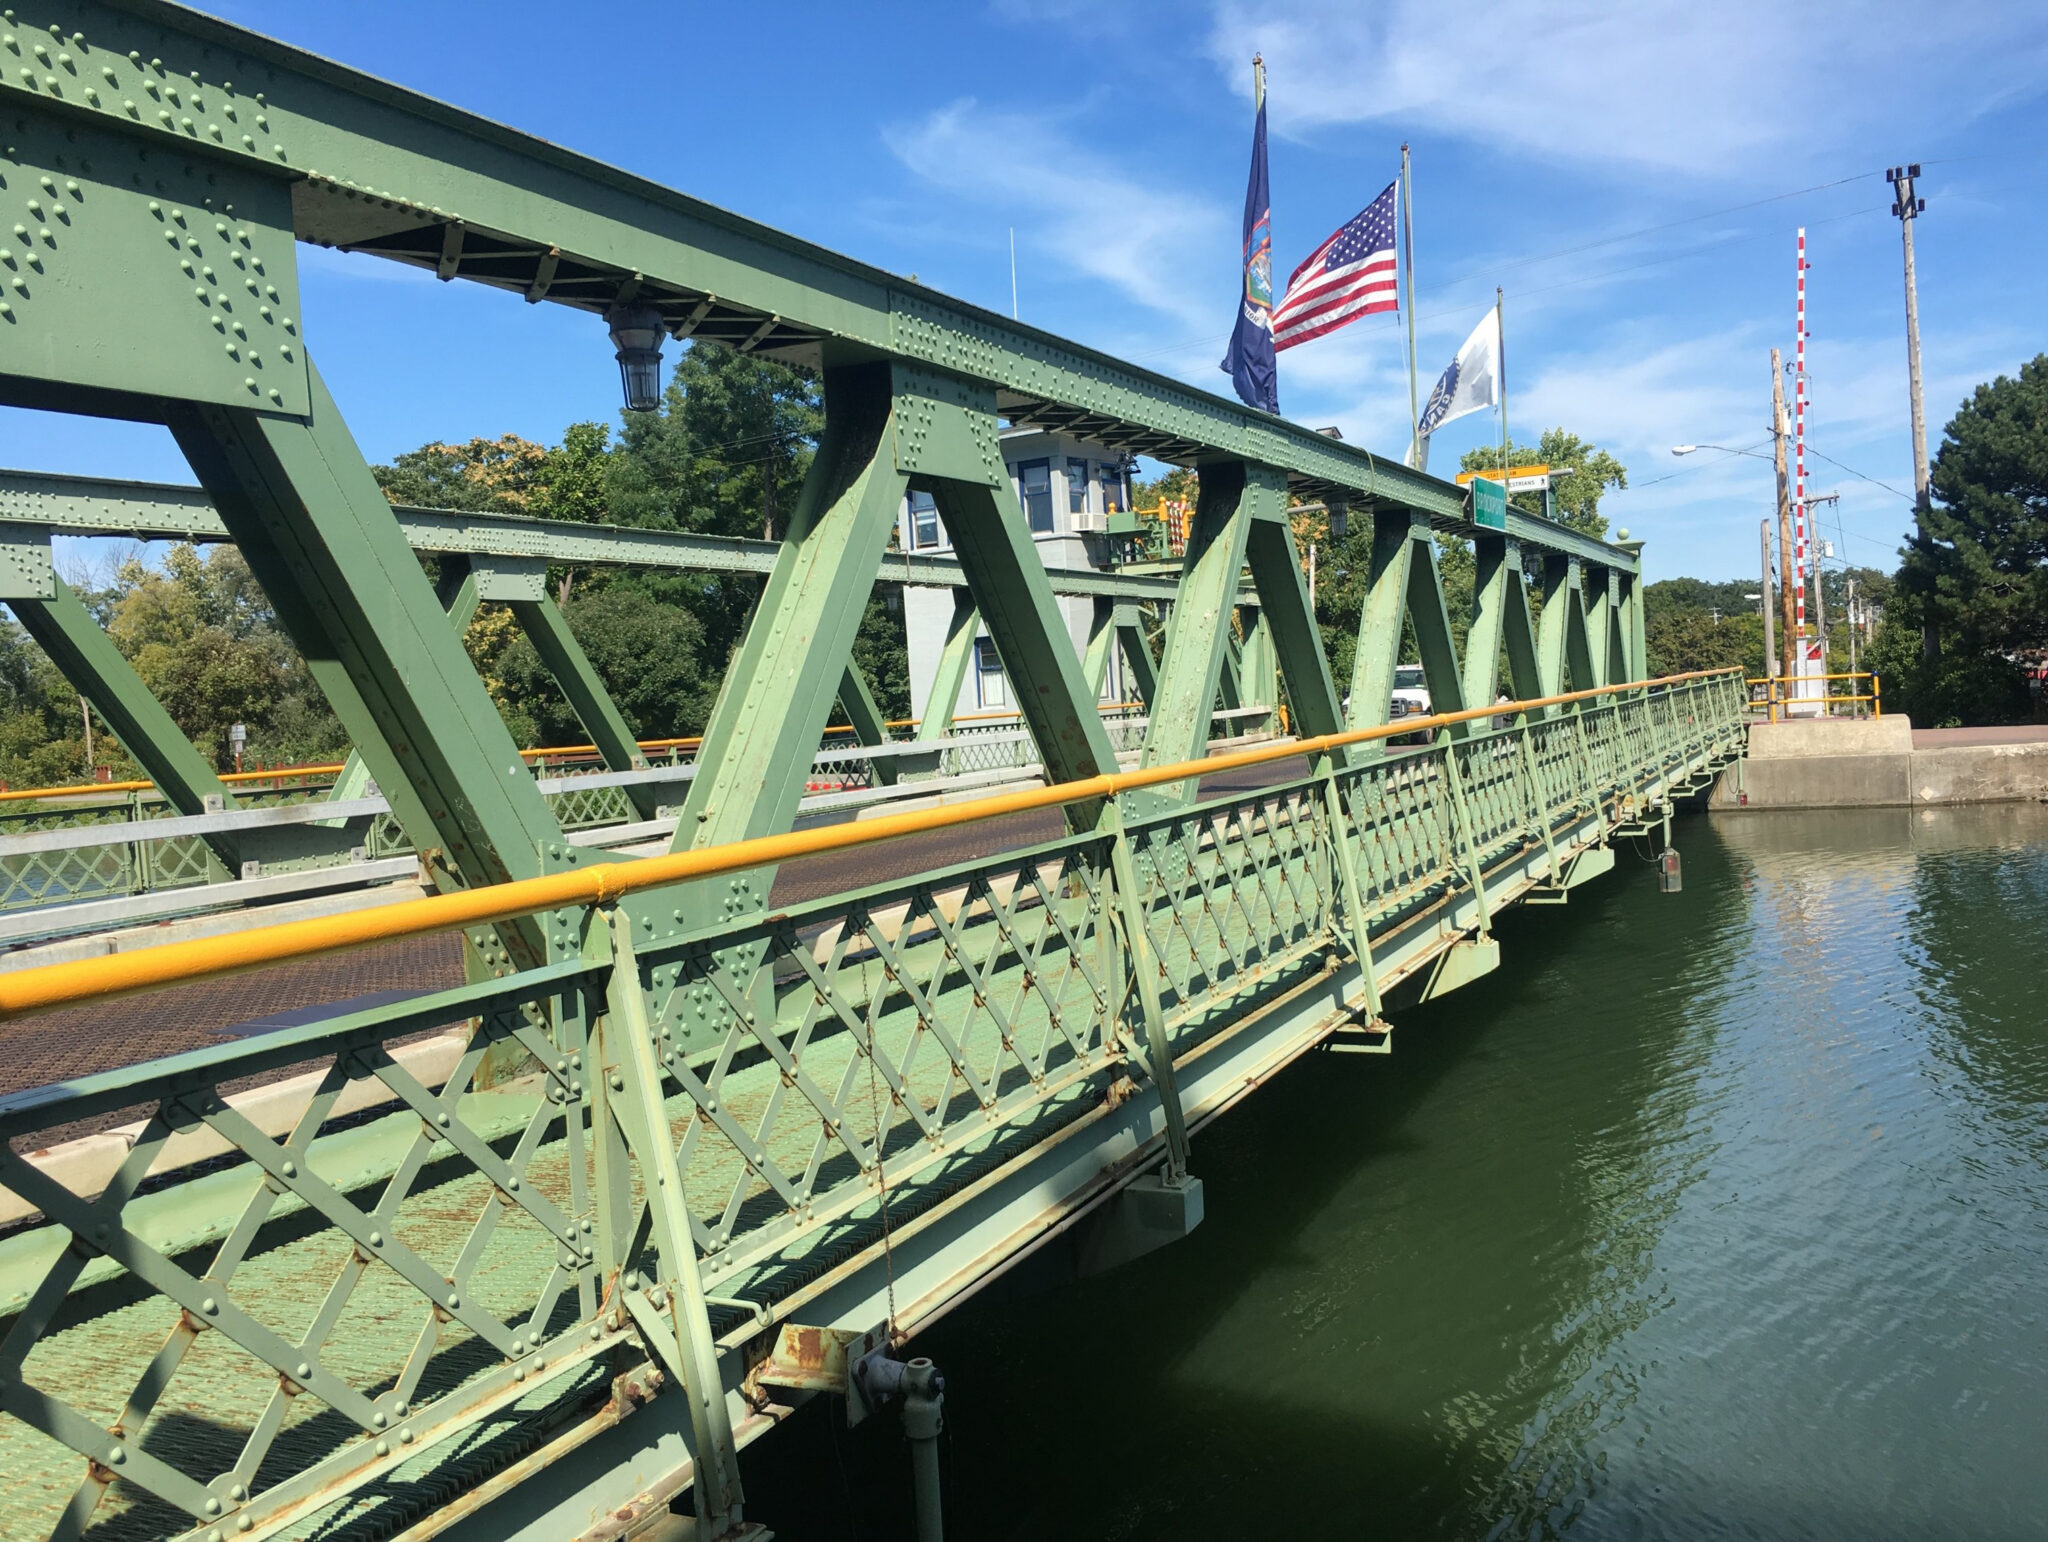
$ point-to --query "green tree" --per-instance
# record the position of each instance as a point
(644, 652)
(725, 455)
(1977, 568)
(42, 724)
(1580, 474)
(505, 475)
(203, 639)
(1681, 639)
(1973, 585)
(571, 485)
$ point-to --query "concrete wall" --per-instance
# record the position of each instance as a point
(1874, 764)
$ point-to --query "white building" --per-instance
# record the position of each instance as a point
(1066, 488)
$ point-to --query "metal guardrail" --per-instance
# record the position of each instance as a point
(132, 844)
(1785, 698)
(632, 1163)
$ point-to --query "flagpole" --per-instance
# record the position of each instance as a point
(1408, 281)
(1500, 341)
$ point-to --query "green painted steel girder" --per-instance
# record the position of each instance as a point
(164, 511)
(65, 630)
(317, 533)
(782, 683)
(330, 155)
(1233, 495)
(962, 628)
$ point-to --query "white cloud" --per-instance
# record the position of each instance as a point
(1073, 206)
(1667, 84)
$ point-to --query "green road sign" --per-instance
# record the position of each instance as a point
(1489, 504)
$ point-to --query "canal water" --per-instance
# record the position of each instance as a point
(1722, 1214)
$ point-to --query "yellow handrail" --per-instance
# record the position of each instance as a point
(202, 958)
(334, 768)
(1773, 699)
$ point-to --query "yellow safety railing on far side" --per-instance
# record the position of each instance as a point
(56, 985)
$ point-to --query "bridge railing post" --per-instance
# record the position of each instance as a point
(1143, 962)
(672, 1314)
(1539, 801)
(1351, 892)
(1461, 825)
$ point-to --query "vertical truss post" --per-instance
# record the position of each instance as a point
(65, 630)
(1395, 533)
(1620, 589)
(785, 676)
(298, 497)
(1560, 584)
(1101, 643)
(1229, 689)
(563, 657)
(1258, 670)
(1564, 653)
(1431, 618)
(951, 676)
(1519, 629)
(676, 1320)
(1597, 600)
(456, 590)
(1198, 636)
(1289, 621)
(948, 443)
(1497, 568)
(1130, 637)
(865, 715)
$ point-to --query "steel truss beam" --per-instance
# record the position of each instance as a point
(161, 511)
(330, 155)
(317, 533)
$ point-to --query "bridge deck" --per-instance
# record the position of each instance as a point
(959, 1019)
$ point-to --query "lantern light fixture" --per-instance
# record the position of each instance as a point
(637, 331)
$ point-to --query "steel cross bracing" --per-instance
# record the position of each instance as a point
(475, 1274)
(659, 1129)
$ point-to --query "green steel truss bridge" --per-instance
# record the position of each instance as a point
(536, 1256)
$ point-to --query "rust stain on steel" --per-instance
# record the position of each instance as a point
(815, 1359)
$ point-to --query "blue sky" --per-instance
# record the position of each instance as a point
(1631, 175)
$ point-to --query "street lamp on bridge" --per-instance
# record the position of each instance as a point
(637, 331)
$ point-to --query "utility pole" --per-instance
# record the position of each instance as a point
(1908, 206)
(1763, 533)
(1779, 430)
(1855, 621)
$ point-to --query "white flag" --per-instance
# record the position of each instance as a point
(1472, 381)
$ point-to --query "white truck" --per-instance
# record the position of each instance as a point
(1410, 696)
(1411, 693)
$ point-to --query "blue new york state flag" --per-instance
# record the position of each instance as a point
(1249, 363)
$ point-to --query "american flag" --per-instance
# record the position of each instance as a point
(1348, 276)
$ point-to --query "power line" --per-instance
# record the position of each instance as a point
(1873, 481)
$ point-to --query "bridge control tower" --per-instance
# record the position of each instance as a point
(1066, 488)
